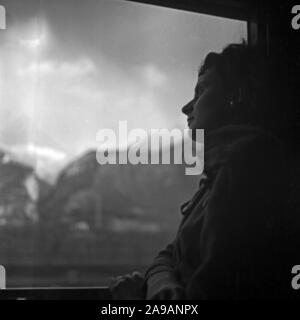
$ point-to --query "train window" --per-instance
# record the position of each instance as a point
(67, 70)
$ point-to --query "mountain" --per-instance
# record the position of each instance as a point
(101, 215)
(118, 197)
(47, 162)
(20, 189)
(36, 185)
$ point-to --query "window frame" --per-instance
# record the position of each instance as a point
(253, 13)
(249, 11)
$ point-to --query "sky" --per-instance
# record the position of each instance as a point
(69, 68)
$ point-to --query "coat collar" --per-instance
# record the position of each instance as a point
(219, 143)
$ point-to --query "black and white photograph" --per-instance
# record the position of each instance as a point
(149, 150)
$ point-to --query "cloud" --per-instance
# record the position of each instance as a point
(33, 43)
(47, 162)
(72, 99)
(153, 76)
(81, 67)
(32, 152)
(71, 79)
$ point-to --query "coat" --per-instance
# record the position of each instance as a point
(230, 242)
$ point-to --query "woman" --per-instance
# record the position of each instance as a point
(228, 245)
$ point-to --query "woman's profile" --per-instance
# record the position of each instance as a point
(229, 242)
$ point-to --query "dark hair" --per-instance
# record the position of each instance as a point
(242, 71)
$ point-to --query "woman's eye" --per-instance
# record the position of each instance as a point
(198, 92)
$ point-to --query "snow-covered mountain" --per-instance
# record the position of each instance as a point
(46, 162)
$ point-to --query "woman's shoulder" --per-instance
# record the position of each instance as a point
(241, 145)
(259, 159)
(255, 144)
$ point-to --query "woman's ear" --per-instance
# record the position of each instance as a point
(236, 97)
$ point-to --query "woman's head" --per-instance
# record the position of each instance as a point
(228, 89)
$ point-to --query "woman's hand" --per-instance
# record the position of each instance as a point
(166, 290)
(127, 287)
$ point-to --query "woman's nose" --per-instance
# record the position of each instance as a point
(187, 109)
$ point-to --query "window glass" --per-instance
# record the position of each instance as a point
(69, 68)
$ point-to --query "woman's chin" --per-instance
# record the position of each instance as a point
(195, 133)
(191, 125)
(192, 133)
